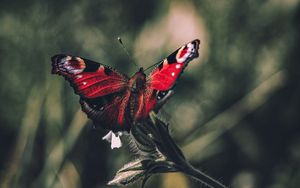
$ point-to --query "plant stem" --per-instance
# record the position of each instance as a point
(200, 176)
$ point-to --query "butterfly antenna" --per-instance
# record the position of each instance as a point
(126, 51)
(153, 65)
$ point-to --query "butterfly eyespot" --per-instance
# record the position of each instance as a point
(178, 66)
(173, 74)
(79, 76)
(84, 83)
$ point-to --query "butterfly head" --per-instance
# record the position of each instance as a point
(141, 70)
(137, 82)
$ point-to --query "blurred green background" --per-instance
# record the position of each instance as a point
(235, 112)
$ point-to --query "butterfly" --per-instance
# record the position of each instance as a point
(115, 101)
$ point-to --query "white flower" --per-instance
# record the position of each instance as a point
(114, 139)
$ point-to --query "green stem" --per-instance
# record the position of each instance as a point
(200, 176)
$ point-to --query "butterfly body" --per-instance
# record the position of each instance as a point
(114, 101)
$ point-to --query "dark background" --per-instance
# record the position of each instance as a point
(235, 112)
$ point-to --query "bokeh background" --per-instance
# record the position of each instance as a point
(235, 112)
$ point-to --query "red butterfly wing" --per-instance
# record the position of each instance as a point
(88, 78)
(108, 111)
(104, 92)
(163, 78)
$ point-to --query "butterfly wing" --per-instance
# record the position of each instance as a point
(108, 111)
(88, 78)
(163, 78)
(103, 91)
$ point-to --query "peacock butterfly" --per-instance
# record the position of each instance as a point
(113, 100)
